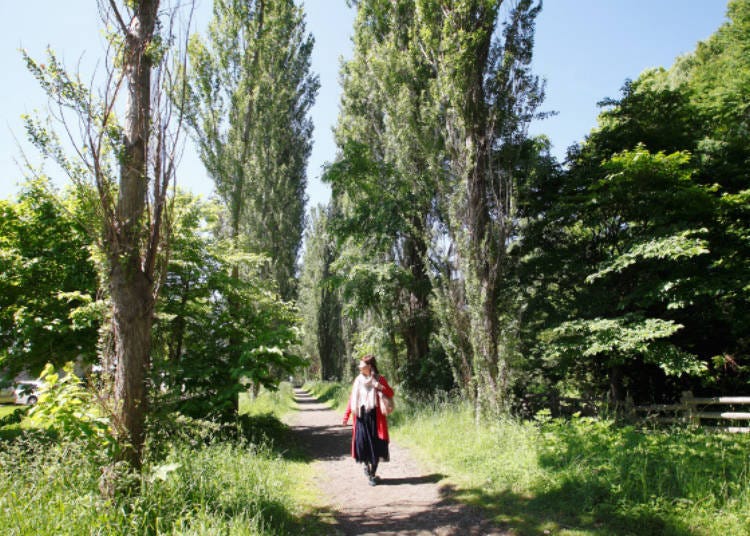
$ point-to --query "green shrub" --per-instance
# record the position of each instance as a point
(66, 407)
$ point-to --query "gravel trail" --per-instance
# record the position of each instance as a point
(408, 500)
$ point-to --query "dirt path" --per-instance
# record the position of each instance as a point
(408, 500)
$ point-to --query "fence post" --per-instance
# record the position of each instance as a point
(689, 408)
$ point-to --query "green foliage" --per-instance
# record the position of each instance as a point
(46, 279)
(96, 159)
(320, 302)
(69, 409)
(679, 246)
(249, 91)
(436, 97)
(585, 476)
(383, 190)
(216, 332)
(643, 230)
(624, 338)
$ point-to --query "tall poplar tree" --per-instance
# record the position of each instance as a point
(320, 301)
(382, 181)
(433, 139)
(486, 96)
(250, 89)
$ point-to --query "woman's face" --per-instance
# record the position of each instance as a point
(364, 368)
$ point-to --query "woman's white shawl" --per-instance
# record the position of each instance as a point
(363, 393)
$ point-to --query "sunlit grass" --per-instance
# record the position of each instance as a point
(219, 488)
(585, 477)
(335, 394)
(278, 402)
(198, 480)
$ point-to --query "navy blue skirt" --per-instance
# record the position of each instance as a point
(368, 447)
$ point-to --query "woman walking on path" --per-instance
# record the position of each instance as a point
(370, 425)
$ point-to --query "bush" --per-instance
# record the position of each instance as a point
(66, 407)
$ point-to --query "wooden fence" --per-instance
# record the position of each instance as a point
(697, 411)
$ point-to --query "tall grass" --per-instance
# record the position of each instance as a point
(199, 479)
(585, 476)
(277, 403)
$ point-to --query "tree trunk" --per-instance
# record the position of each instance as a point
(330, 347)
(616, 387)
(235, 339)
(133, 313)
(131, 287)
(484, 264)
(419, 321)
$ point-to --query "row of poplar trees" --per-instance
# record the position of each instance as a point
(463, 254)
(432, 137)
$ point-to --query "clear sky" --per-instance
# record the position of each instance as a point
(585, 49)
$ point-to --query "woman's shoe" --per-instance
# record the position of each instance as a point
(373, 481)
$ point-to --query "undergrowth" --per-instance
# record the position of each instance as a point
(585, 476)
(199, 478)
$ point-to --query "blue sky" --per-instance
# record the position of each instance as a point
(585, 49)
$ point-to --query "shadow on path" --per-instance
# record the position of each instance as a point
(320, 440)
(413, 481)
(407, 501)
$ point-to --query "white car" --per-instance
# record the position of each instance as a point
(27, 392)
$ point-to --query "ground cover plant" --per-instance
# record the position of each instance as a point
(199, 478)
(585, 476)
(581, 476)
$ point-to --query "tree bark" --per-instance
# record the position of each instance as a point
(133, 314)
(616, 386)
(419, 320)
(131, 287)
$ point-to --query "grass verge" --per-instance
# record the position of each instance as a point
(6, 410)
(199, 479)
(277, 403)
(585, 477)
